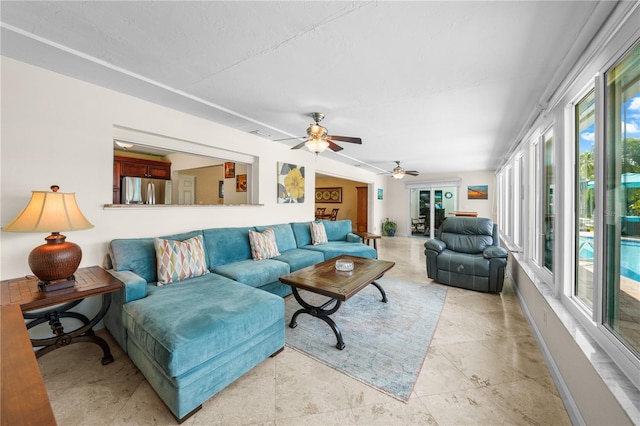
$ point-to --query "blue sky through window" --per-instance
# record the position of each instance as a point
(631, 124)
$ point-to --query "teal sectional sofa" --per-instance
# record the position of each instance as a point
(194, 337)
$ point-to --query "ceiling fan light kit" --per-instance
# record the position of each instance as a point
(317, 145)
(398, 172)
(318, 139)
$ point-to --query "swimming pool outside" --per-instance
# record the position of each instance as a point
(629, 255)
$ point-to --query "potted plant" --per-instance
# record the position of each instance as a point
(389, 227)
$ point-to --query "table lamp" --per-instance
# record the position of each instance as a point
(53, 263)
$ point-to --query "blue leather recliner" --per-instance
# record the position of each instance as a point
(466, 253)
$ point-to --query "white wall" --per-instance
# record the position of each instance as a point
(399, 197)
(59, 130)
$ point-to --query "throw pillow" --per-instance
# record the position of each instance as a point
(318, 233)
(179, 260)
(263, 244)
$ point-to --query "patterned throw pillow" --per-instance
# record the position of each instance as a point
(318, 233)
(263, 245)
(179, 260)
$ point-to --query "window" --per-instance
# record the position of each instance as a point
(517, 202)
(548, 187)
(622, 200)
(534, 202)
(585, 201)
(508, 192)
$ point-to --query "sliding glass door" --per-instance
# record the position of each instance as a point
(429, 208)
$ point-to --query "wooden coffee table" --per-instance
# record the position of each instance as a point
(324, 279)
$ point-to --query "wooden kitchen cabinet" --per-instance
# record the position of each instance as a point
(137, 167)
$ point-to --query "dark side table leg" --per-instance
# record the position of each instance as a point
(318, 312)
(61, 339)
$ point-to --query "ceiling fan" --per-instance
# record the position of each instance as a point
(398, 172)
(318, 139)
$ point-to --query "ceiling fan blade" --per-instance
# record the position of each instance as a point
(411, 173)
(290, 139)
(300, 145)
(344, 139)
(334, 147)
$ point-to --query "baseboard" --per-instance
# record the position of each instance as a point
(565, 394)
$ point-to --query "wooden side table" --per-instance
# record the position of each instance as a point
(366, 237)
(91, 281)
(465, 214)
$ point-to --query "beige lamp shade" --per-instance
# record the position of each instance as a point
(49, 212)
(55, 262)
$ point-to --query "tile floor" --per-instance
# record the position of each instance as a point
(483, 367)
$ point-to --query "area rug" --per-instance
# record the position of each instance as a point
(386, 343)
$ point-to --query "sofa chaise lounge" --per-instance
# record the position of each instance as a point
(193, 337)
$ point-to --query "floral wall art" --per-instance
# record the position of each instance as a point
(290, 183)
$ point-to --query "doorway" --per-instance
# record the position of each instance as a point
(429, 207)
(362, 209)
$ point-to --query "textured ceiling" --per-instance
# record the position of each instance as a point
(441, 86)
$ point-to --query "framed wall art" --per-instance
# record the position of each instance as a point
(241, 183)
(229, 170)
(329, 195)
(290, 183)
(478, 192)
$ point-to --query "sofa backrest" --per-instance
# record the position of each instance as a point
(226, 245)
(138, 255)
(337, 230)
(284, 236)
(468, 234)
(302, 233)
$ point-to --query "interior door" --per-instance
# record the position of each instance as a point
(362, 209)
(186, 189)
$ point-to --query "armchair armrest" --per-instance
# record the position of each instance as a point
(493, 252)
(135, 287)
(435, 245)
(353, 238)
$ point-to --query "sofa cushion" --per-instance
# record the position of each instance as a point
(139, 254)
(284, 236)
(336, 248)
(300, 258)
(226, 245)
(254, 274)
(180, 332)
(179, 260)
(263, 244)
(318, 233)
